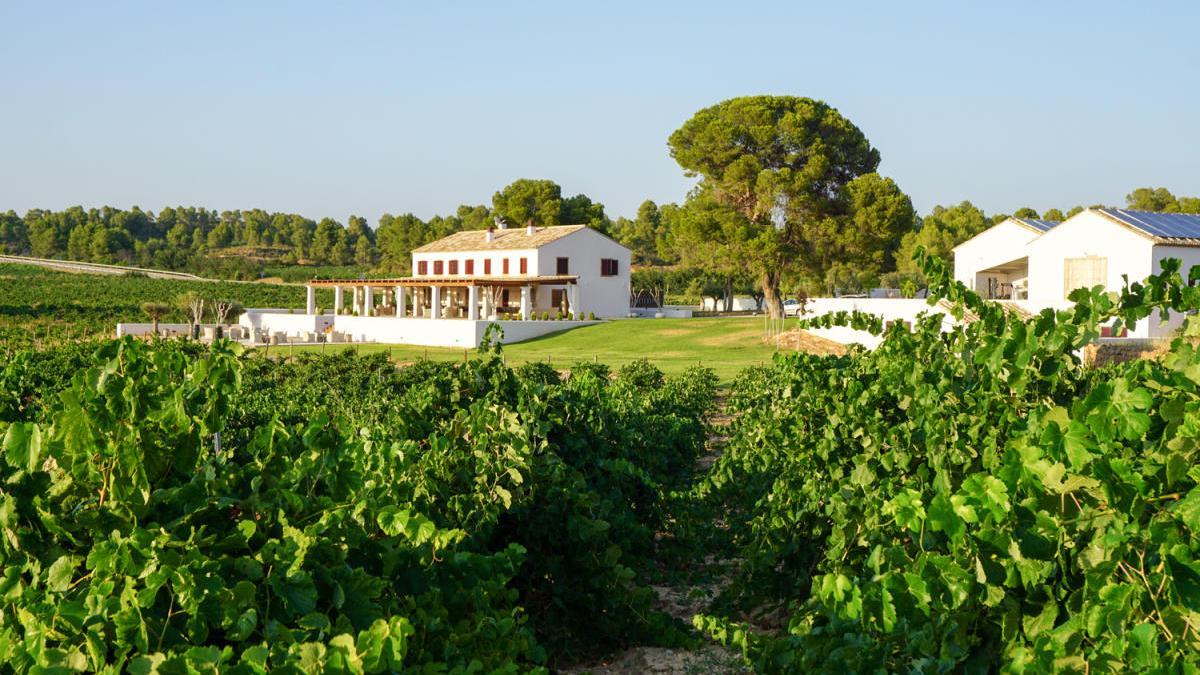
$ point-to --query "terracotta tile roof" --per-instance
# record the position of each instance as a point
(502, 240)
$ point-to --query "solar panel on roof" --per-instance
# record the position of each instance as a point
(1166, 225)
(1039, 225)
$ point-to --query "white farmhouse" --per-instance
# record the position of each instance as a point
(564, 268)
(1036, 264)
(531, 280)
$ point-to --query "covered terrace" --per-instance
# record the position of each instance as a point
(448, 297)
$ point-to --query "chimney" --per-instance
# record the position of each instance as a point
(489, 235)
(529, 228)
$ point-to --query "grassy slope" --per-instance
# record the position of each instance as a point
(725, 345)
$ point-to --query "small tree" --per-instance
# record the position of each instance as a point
(706, 288)
(156, 311)
(495, 297)
(193, 305)
(225, 311)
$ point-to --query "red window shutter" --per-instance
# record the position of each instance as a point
(487, 265)
(505, 266)
(524, 266)
(437, 267)
(422, 267)
(470, 265)
(453, 267)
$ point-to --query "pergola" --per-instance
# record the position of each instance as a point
(442, 297)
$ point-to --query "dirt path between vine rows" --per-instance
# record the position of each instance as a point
(681, 599)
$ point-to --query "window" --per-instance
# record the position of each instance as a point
(437, 267)
(505, 265)
(453, 267)
(422, 267)
(470, 265)
(487, 266)
(564, 266)
(1084, 273)
(524, 265)
(608, 267)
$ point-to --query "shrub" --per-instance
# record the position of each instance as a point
(641, 374)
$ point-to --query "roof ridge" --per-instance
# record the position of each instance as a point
(508, 238)
(513, 228)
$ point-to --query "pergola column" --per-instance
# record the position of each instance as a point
(368, 302)
(399, 293)
(473, 302)
(526, 301)
(339, 302)
(435, 302)
(487, 303)
(356, 303)
(310, 300)
(573, 299)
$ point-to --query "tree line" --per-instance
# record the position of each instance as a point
(787, 201)
(240, 243)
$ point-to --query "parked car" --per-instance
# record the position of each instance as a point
(791, 307)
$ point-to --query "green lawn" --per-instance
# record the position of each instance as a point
(725, 345)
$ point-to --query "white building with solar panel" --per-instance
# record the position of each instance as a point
(1036, 263)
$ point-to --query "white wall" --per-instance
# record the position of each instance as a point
(605, 296)
(740, 304)
(519, 331)
(443, 332)
(889, 309)
(1087, 234)
(272, 321)
(424, 332)
(1189, 256)
(1004, 242)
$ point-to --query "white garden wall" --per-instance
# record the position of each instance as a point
(275, 321)
(412, 331)
(889, 309)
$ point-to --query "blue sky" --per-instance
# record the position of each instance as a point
(368, 108)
